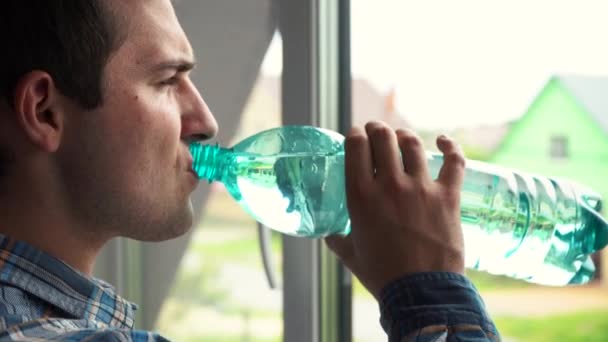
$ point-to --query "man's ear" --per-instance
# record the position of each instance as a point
(37, 110)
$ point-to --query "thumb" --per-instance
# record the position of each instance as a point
(343, 247)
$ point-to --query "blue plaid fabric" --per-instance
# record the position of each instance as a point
(43, 299)
(435, 307)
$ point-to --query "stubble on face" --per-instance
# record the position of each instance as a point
(125, 166)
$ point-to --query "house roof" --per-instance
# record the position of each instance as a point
(592, 93)
(368, 103)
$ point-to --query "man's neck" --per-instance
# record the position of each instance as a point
(30, 215)
(67, 248)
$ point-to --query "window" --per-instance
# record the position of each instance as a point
(471, 69)
(558, 148)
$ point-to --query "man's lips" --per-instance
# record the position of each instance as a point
(190, 167)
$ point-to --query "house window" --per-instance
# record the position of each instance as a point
(559, 147)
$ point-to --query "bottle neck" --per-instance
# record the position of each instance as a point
(209, 161)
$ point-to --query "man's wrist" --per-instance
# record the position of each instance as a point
(418, 300)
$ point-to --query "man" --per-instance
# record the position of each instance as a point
(96, 112)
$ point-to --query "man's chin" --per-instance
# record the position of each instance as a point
(164, 235)
(173, 228)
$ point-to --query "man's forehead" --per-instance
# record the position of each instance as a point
(158, 56)
(154, 33)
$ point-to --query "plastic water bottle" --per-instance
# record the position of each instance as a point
(539, 229)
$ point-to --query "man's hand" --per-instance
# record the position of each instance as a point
(402, 220)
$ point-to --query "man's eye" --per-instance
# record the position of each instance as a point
(170, 81)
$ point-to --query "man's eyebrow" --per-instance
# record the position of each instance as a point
(179, 65)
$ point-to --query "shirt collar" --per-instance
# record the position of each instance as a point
(51, 280)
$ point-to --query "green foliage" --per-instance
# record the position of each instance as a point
(576, 327)
(476, 153)
(488, 282)
(242, 250)
(199, 288)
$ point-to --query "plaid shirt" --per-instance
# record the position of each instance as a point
(435, 307)
(43, 299)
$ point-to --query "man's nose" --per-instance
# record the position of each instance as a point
(198, 122)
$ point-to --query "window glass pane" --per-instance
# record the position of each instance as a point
(504, 78)
(221, 292)
(559, 147)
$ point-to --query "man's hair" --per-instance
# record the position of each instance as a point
(71, 40)
(6, 157)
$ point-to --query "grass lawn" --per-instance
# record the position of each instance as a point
(575, 327)
(488, 282)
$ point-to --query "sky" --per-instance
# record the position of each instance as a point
(470, 62)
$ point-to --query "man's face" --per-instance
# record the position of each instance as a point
(126, 164)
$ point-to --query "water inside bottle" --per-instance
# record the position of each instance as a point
(295, 193)
(519, 225)
(527, 227)
(524, 226)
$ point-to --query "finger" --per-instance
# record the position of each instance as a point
(343, 247)
(452, 170)
(413, 153)
(385, 149)
(359, 170)
(358, 158)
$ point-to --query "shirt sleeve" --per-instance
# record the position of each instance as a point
(435, 306)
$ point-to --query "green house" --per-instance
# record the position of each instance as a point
(564, 133)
